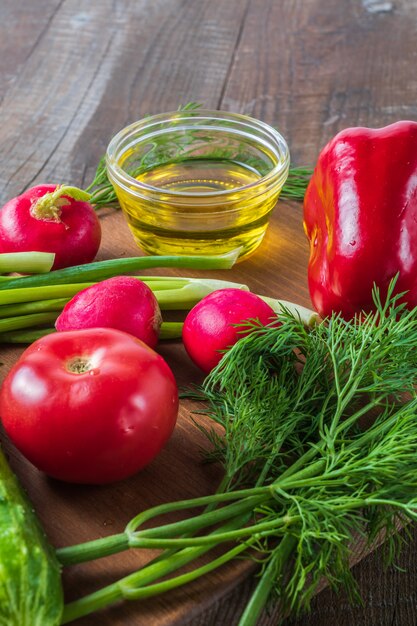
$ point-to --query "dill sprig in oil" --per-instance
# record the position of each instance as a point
(103, 194)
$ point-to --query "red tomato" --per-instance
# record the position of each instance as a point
(89, 406)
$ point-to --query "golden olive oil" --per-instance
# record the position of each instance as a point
(200, 176)
(198, 182)
(199, 206)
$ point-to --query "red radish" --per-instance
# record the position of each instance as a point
(51, 218)
(122, 302)
(209, 327)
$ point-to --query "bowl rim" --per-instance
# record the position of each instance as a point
(132, 185)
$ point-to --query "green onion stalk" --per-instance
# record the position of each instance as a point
(319, 442)
(26, 262)
(30, 305)
(21, 315)
(100, 270)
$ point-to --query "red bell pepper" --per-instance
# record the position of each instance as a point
(360, 215)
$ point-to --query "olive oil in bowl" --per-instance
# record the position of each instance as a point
(200, 183)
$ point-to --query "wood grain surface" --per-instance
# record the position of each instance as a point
(72, 73)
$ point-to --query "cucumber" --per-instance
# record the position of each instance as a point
(30, 578)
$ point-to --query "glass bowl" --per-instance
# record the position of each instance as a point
(198, 182)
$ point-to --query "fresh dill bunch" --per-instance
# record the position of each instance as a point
(263, 401)
(296, 183)
(367, 485)
(319, 448)
(339, 413)
(281, 387)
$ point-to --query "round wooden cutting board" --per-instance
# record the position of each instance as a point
(72, 514)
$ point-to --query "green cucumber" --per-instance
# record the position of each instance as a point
(30, 578)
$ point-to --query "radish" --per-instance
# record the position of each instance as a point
(122, 302)
(209, 328)
(51, 218)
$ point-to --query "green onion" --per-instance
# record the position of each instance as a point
(6, 278)
(307, 316)
(39, 306)
(163, 282)
(24, 336)
(100, 270)
(26, 321)
(28, 307)
(192, 292)
(26, 262)
(169, 330)
(30, 294)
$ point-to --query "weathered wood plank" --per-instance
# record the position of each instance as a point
(22, 25)
(90, 68)
(313, 68)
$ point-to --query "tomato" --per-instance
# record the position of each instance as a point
(89, 406)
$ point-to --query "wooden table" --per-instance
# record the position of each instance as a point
(72, 73)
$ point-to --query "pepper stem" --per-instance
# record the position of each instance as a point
(48, 207)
